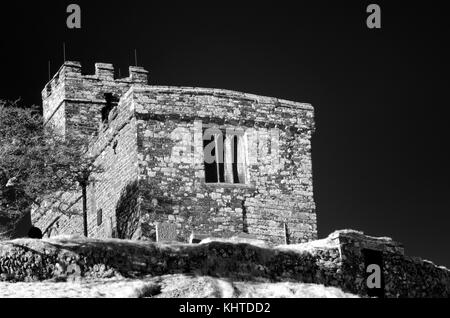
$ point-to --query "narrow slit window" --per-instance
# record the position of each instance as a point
(99, 217)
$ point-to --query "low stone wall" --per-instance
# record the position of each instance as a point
(25, 260)
(403, 276)
(336, 261)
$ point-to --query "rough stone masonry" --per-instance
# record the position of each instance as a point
(210, 161)
(337, 260)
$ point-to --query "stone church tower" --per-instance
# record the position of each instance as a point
(210, 161)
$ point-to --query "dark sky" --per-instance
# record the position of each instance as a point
(380, 157)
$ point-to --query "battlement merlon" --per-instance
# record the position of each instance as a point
(103, 72)
(69, 85)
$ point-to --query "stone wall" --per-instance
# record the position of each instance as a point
(28, 260)
(277, 195)
(330, 262)
(151, 151)
(115, 148)
(73, 102)
(404, 276)
(51, 222)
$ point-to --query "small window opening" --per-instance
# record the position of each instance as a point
(115, 146)
(111, 102)
(99, 217)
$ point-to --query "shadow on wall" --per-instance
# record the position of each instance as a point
(131, 204)
(128, 211)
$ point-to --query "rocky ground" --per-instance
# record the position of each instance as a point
(168, 286)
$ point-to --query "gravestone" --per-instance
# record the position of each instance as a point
(166, 232)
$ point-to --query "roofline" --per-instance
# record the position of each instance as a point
(218, 92)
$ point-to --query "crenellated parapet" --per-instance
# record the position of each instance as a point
(72, 100)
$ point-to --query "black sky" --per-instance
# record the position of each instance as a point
(380, 157)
